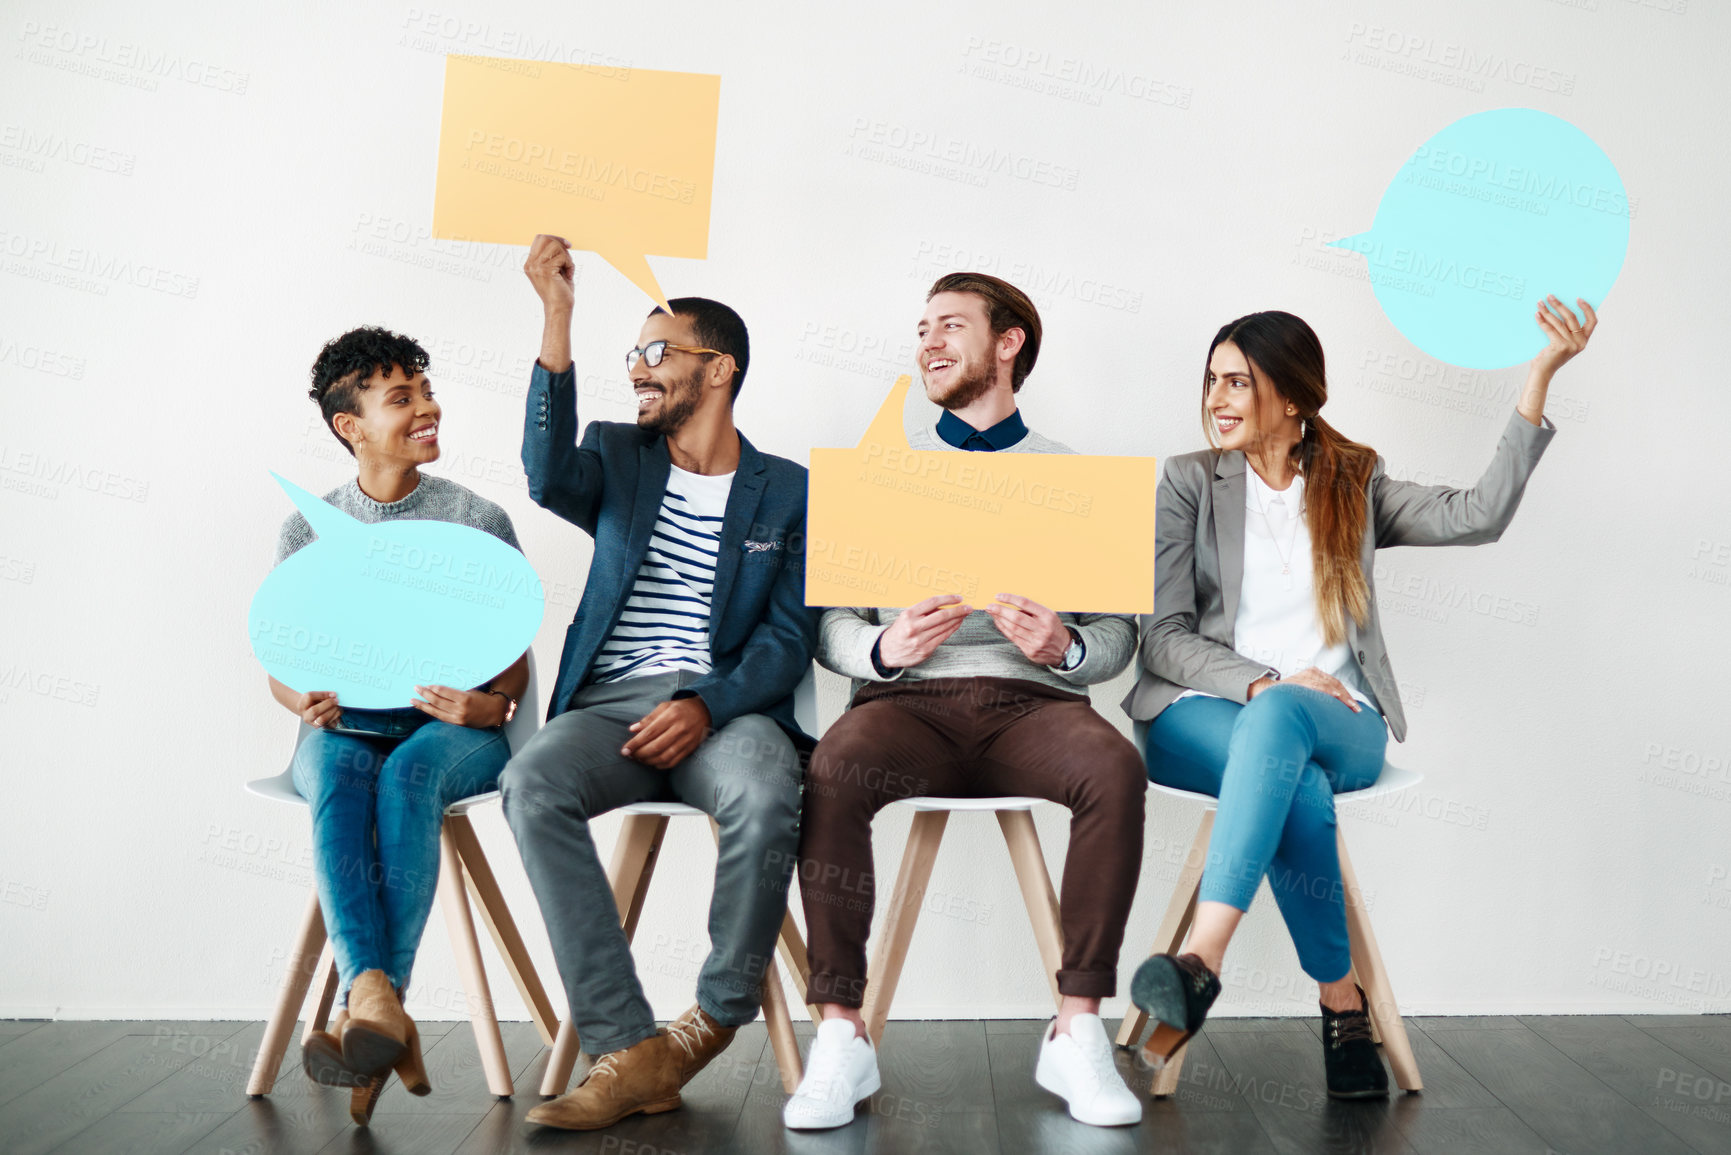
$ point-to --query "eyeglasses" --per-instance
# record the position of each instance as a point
(655, 350)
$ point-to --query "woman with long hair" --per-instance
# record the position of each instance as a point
(1264, 679)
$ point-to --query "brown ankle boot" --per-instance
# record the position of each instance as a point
(377, 1031)
(410, 1069)
(643, 1077)
(365, 1097)
(694, 1039)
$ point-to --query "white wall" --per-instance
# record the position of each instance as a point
(265, 183)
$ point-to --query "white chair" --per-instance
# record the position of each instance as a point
(461, 865)
(634, 858)
(931, 816)
(1367, 967)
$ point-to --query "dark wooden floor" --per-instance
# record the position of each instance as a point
(1574, 1085)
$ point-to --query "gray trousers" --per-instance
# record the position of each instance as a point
(745, 775)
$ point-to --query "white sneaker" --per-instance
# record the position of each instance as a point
(840, 1070)
(1078, 1068)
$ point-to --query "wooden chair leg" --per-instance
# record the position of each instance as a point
(791, 947)
(924, 837)
(297, 976)
(1170, 938)
(459, 922)
(1375, 1035)
(323, 995)
(780, 1025)
(561, 1062)
(1023, 841)
(1373, 976)
(490, 902)
(1176, 922)
(634, 857)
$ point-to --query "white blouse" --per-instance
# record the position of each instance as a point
(1277, 623)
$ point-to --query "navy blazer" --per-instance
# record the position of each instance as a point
(761, 633)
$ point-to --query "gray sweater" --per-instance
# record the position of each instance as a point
(434, 499)
(976, 649)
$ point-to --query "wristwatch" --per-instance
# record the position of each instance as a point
(510, 703)
(1073, 655)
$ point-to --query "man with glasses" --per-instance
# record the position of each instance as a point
(676, 682)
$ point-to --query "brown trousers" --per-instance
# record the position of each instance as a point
(975, 737)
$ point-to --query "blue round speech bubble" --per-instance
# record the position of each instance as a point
(1487, 217)
(372, 611)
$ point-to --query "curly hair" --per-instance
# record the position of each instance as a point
(345, 365)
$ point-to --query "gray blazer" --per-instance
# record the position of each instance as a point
(1199, 561)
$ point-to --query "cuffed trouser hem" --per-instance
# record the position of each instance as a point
(1226, 894)
(1319, 979)
(841, 990)
(1088, 984)
(618, 1043)
(709, 1008)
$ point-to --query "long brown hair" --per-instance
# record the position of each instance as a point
(1285, 350)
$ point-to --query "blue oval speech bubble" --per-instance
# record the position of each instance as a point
(372, 611)
(1487, 217)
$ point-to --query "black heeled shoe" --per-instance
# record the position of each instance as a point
(1176, 993)
(1349, 1055)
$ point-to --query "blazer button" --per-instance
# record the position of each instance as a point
(1361, 655)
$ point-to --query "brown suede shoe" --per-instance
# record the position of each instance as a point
(643, 1077)
(694, 1039)
(377, 1031)
(410, 1068)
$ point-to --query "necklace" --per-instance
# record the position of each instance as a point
(1285, 555)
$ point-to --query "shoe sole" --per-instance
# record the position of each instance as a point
(370, 1052)
(871, 1087)
(1371, 1094)
(655, 1108)
(324, 1065)
(1157, 989)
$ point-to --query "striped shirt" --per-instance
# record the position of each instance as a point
(665, 623)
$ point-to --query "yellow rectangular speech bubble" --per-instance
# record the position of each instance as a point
(889, 525)
(620, 161)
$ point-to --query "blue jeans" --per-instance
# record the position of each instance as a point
(378, 803)
(1276, 765)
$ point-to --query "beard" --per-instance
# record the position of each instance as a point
(973, 380)
(678, 402)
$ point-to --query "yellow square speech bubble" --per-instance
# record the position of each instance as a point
(620, 161)
(889, 525)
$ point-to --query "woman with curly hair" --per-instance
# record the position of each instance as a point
(378, 781)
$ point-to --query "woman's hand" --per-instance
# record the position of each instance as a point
(1568, 335)
(318, 708)
(474, 708)
(1315, 679)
